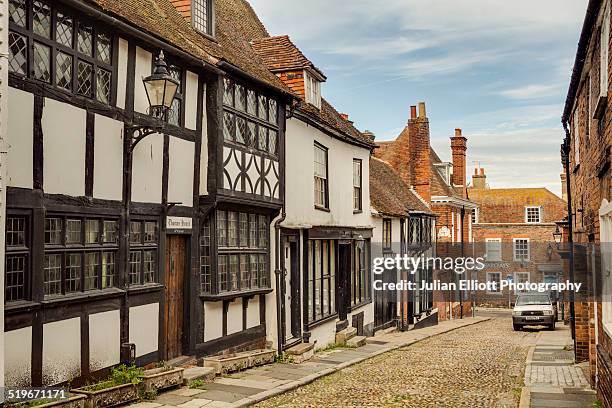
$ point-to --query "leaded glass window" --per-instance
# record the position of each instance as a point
(144, 241)
(18, 53)
(18, 12)
(42, 62)
(84, 77)
(41, 19)
(63, 71)
(202, 16)
(16, 268)
(64, 31)
(85, 40)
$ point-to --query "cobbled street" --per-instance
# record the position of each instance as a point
(479, 366)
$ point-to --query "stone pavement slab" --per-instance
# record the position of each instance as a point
(257, 384)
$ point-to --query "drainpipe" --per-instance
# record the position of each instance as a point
(565, 150)
(279, 274)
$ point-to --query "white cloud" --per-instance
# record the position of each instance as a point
(533, 91)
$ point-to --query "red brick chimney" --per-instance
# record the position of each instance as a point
(479, 180)
(459, 148)
(420, 151)
(183, 7)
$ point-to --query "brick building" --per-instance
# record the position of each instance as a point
(587, 120)
(443, 186)
(513, 228)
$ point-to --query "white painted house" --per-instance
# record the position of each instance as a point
(160, 244)
(326, 231)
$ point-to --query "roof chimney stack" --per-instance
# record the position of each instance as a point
(422, 111)
(459, 148)
(479, 179)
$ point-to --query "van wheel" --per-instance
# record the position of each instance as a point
(517, 327)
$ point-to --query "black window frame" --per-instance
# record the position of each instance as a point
(216, 253)
(358, 190)
(325, 205)
(55, 47)
(332, 275)
(19, 251)
(209, 6)
(387, 234)
(232, 114)
(361, 292)
(64, 249)
(141, 247)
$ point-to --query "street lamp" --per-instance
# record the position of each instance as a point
(160, 88)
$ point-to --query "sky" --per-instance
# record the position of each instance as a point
(497, 69)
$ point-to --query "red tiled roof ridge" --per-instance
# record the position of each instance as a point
(281, 54)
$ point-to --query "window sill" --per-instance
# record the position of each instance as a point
(325, 209)
(322, 321)
(21, 306)
(149, 287)
(83, 296)
(357, 211)
(234, 295)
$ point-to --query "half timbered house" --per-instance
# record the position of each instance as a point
(159, 246)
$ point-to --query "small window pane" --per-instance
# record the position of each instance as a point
(150, 232)
(205, 253)
(135, 232)
(263, 272)
(174, 114)
(63, 71)
(254, 266)
(149, 266)
(41, 19)
(251, 102)
(15, 231)
(252, 230)
(64, 30)
(73, 273)
(232, 229)
(92, 231)
(221, 228)
(108, 270)
(110, 232)
(244, 230)
(14, 280)
(84, 74)
(200, 16)
(222, 268)
(262, 112)
(241, 135)
(103, 85)
(228, 94)
(53, 231)
(273, 111)
(52, 274)
(263, 231)
(92, 261)
(85, 40)
(245, 282)
(272, 140)
(177, 74)
(240, 97)
(18, 49)
(17, 12)
(251, 135)
(103, 46)
(262, 140)
(229, 126)
(73, 232)
(135, 267)
(42, 62)
(233, 272)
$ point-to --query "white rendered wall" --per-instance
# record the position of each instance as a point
(122, 72)
(18, 357)
(61, 351)
(253, 313)
(104, 339)
(191, 100)
(64, 128)
(213, 320)
(180, 171)
(147, 167)
(20, 138)
(144, 328)
(204, 150)
(144, 61)
(108, 158)
(234, 316)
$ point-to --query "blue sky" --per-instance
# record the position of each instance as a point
(497, 69)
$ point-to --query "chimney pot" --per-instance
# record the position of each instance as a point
(475, 171)
(482, 173)
(422, 111)
(457, 132)
(413, 112)
(345, 116)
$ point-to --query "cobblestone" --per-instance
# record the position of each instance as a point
(473, 367)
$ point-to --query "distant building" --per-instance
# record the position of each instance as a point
(513, 228)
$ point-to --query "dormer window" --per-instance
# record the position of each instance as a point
(202, 16)
(313, 90)
(445, 170)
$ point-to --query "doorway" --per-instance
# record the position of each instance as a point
(345, 266)
(176, 261)
(291, 294)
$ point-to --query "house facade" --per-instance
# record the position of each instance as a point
(120, 245)
(587, 119)
(404, 225)
(326, 233)
(443, 186)
(513, 228)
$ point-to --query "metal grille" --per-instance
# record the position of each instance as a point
(18, 58)
(84, 72)
(64, 30)
(42, 62)
(17, 12)
(103, 45)
(85, 40)
(103, 85)
(63, 71)
(41, 19)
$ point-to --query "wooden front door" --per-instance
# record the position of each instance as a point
(175, 284)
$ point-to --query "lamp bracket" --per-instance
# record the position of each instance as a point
(137, 133)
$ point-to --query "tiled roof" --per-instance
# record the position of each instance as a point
(236, 24)
(281, 54)
(389, 194)
(329, 116)
(501, 205)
